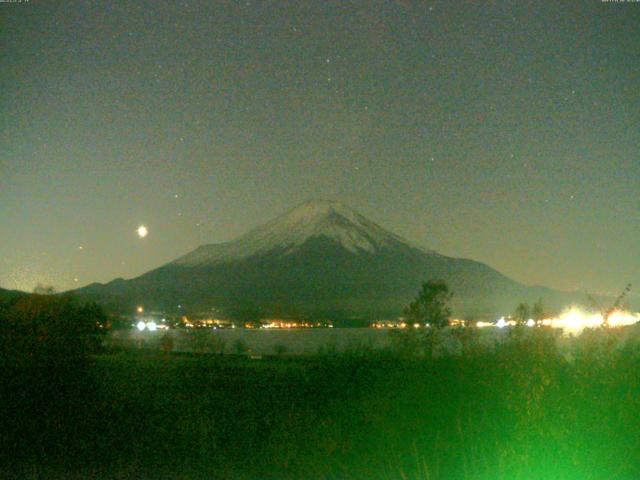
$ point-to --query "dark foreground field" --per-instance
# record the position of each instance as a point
(520, 411)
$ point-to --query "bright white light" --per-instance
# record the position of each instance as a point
(620, 318)
(575, 320)
(151, 326)
(141, 325)
(142, 231)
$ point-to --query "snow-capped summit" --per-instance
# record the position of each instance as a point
(320, 260)
(312, 219)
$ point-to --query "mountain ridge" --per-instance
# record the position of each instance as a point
(320, 259)
(290, 230)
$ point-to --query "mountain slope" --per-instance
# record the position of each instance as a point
(321, 259)
(289, 232)
(6, 295)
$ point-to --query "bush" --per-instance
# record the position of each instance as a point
(47, 386)
(240, 347)
(32, 326)
(279, 349)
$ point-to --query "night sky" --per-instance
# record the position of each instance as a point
(507, 132)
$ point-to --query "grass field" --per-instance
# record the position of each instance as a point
(518, 411)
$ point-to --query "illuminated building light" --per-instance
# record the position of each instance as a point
(620, 318)
(151, 326)
(575, 320)
(141, 325)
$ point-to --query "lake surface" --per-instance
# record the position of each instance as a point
(303, 341)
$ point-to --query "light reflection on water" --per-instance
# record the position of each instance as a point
(303, 341)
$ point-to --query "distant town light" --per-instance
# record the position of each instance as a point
(140, 309)
(141, 325)
(151, 326)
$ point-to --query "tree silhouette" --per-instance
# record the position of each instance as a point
(537, 312)
(431, 306)
(33, 325)
(522, 313)
(46, 374)
(44, 289)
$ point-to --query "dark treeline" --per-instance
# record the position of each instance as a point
(47, 379)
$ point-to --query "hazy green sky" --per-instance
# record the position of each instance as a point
(508, 132)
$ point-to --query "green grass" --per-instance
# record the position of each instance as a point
(519, 411)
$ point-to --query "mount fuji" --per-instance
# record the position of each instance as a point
(287, 234)
(320, 260)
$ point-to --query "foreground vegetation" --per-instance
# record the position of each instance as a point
(517, 410)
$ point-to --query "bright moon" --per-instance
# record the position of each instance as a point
(142, 231)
